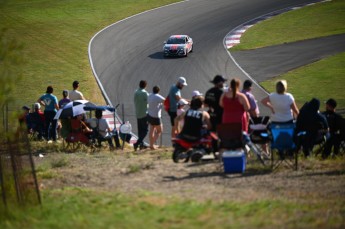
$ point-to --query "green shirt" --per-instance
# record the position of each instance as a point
(140, 102)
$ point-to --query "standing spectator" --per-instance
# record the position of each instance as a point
(51, 106)
(334, 122)
(65, 99)
(212, 98)
(282, 104)
(174, 97)
(140, 102)
(75, 94)
(155, 102)
(235, 105)
(254, 109)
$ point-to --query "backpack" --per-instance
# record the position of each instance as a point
(166, 104)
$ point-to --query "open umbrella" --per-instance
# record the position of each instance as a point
(73, 109)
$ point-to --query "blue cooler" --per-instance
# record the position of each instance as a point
(234, 161)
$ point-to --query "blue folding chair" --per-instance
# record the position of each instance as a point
(282, 142)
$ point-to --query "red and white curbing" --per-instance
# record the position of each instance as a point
(233, 38)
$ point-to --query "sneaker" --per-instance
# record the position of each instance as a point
(135, 145)
(143, 147)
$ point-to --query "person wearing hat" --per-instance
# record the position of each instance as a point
(196, 93)
(180, 110)
(254, 108)
(335, 121)
(75, 94)
(174, 97)
(212, 98)
(50, 102)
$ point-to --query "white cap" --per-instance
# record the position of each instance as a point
(182, 102)
(196, 93)
(37, 106)
(182, 81)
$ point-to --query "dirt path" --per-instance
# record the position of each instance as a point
(154, 172)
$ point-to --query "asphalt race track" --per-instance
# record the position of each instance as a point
(131, 50)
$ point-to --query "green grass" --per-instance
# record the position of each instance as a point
(56, 35)
(80, 208)
(314, 21)
(322, 80)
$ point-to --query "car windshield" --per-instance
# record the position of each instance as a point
(174, 40)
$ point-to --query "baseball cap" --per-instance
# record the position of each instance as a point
(25, 108)
(196, 93)
(182, 81)
(37, 106)
(217, 79)
(182, 102)
(331, 102)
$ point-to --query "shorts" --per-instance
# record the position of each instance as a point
(172, 115)
(154, 121)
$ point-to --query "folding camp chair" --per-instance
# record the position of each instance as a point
(282, 143)
(258, 132)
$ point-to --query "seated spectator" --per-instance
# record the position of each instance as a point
(79, 130)
(313, 123)
(36, 121)
(282, 104)
(195, 121)
(101, 129)
(334, 122)
(180, 110)
(23, 118)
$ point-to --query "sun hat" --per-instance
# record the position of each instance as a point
(182, 80)
(217, 79)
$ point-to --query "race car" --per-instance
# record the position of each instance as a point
(178, 45)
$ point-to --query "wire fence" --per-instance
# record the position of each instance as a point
(18, 181)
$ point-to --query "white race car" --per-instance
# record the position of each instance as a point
(178, 45)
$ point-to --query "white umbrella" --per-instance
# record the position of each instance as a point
(73, 109)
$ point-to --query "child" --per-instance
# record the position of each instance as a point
(180, 105)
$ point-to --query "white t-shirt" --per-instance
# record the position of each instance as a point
(103, 125)
(282, 107)
(75, 95)
(155, 102)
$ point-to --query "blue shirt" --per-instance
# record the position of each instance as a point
(172, 97)
(49, 100)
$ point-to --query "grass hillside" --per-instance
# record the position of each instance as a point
(55, 35)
